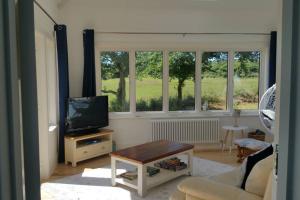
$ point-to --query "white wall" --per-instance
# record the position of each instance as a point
(42, 23)
(46, 85)
(47, 103)
(129, 132)
(158, 16)
(42, 103)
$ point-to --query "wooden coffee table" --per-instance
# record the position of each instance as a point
(145, 155)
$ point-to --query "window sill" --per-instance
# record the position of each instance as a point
(178, 114)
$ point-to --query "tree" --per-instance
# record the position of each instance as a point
(182, 68)
(115, 64)
(247, 64)
(215, 64)
(149, 64)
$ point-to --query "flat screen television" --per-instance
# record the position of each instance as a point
(86, 114)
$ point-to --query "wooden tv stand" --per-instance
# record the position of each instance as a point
(83, 147)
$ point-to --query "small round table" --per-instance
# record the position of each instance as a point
(230, 130)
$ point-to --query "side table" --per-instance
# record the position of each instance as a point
(230, 131)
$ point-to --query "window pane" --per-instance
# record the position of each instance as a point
(246, 79)
(149, 67)
(115, 81)
(181, 81)
(214, 80)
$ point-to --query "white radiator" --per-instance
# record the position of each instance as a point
(186, 130)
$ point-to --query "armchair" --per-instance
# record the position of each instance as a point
(221, 187)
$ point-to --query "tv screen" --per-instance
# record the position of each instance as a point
(86, 114)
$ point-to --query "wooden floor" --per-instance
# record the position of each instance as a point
(63, 170)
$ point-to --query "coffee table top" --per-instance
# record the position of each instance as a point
(152, 151)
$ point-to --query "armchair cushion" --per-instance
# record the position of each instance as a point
(233, 177)
(268, 192)
(205, 189)
(258, 178)
(255, 158)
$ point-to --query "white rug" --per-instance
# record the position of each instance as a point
(95, 184)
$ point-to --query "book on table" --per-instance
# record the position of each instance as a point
(130, 175)
(173, 164)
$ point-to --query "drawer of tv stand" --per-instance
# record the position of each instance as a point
(93, 150)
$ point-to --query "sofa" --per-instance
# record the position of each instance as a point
(227, 186)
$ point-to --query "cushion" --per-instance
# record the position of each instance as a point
(270, 114)
(251, 143)
(242, 172)
(258, 178)
(233, 177)
(268, 192)
(255, 158)
(206, 189)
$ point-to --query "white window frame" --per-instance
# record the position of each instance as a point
(199, 49)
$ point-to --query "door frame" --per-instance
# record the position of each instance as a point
(288, 104)
(11, 176)
(19, 152)
(30, 128)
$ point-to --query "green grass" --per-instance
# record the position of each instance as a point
(147, 89)
(112, 84)
(246, 93)
(213, 90)
(188, 89)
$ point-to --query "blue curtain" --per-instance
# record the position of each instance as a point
(63, 82)
(272, 61)
(89, 80)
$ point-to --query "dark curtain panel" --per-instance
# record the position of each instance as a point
(63, 82)
(272, 62)
(89, 80)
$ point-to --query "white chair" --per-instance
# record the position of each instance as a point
(227, 186)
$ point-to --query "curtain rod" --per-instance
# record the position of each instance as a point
(45, 12)
(174, 33)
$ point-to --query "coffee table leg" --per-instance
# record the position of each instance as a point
(113, 171)
(190, 162)
(141, 180)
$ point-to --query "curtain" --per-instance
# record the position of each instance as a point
(272, 61)
(63, 82)
(89, 80)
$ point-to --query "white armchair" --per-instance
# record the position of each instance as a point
(226, 186)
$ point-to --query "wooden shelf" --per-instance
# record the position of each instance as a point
(163, 176)
(79, 148)
(92, 135)
(152, 181)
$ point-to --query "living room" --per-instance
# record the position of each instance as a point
(158, 99)
(140, 35)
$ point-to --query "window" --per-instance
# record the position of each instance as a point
(182, 80)
(149, 87)
(115, 79)
(246, 80)
(214, 74)
(179, 80)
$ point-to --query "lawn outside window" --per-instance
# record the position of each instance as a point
(152, 90)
